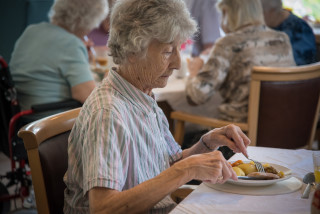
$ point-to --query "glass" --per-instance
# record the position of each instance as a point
(316, 165)
(101, 56)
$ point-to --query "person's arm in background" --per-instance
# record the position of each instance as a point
(209, 22)
(81, 91)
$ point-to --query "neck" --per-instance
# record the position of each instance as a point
(130, 74)
(276, 17)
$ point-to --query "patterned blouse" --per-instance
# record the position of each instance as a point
(229, 67)
(120, 139)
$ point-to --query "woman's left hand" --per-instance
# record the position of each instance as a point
(231, 136)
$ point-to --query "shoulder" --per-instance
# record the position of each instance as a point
(295, 24)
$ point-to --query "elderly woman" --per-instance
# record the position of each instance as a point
(50, 61)
(248, 42)
(122, 156)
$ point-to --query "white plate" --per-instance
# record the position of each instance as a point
(285, 170)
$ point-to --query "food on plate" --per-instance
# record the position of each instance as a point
(238, 171)
(263, 175)
(250, 170)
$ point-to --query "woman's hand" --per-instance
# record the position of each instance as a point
(194, 66)
(210, 167)
(230, 136)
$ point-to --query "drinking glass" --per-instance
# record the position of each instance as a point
(316, 165)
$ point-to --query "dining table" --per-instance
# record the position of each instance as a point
(280, 197)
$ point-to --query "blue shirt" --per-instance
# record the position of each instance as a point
(46, 62)
(302, 39)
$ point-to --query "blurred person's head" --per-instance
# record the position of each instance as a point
(78, 16)
(239, 13)
(273, 12)
(135, 23)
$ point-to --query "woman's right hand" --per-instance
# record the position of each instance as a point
(210, 167)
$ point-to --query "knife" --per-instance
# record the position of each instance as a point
(250, 178)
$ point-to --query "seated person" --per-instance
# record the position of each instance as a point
(122, 156)
(248, 42)
(300, 33)
(49, 62)
(99, 36)
(207, 17)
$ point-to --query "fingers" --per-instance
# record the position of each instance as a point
(238, 139)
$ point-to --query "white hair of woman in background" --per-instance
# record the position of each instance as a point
(122, 155)
(50, 60)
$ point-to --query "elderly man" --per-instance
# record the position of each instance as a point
(122, 156)
(300, 33)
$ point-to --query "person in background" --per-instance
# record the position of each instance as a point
(300, 33)
(99, 36)
(49, 62)
(248, 42)
(207, 17)
(122, 155)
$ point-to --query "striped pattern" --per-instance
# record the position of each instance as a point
(120, 139)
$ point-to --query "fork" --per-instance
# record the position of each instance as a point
(258, 165)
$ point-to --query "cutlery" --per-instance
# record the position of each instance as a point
(310, 180)
(250, 178)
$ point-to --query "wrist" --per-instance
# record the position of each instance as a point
(206, 145)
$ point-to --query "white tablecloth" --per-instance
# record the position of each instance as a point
(207, 200)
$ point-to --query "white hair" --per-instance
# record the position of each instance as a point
(240, 12)
(134, 23)
(78, 15)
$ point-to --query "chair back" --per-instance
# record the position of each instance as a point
(46, 142)
(284, 106)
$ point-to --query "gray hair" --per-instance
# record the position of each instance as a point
(135, 23)
(269, 5)
(241, 12)
(78, 15)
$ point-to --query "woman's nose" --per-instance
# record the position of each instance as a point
(176, 60)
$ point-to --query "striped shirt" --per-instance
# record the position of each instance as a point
(120, 139)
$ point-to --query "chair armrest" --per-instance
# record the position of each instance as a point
(205, 121)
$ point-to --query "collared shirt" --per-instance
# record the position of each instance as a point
(229, 66)
(120, 139)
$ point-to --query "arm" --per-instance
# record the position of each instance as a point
(81, 91)
(211, 167)
(207, 167)
(230, 136)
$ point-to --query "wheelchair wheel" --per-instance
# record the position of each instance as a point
(4, 205)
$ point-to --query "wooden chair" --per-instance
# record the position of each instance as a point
(283, 108)
(46, 142)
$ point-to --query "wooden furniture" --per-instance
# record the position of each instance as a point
(46, 142)
(283, 108)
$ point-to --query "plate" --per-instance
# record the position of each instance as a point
(285, 170)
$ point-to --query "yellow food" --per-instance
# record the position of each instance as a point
(243, 169)
(238, 171)
(248, 168)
